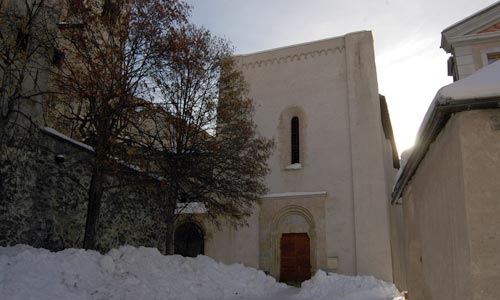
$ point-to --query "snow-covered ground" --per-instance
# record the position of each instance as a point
(144, 273)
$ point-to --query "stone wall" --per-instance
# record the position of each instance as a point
(43, 200)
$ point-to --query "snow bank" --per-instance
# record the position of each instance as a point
(124, 273)
(333, 286)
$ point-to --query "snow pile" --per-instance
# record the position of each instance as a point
(333, 286)
(124, 273)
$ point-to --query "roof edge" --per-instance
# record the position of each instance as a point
(470, 17)
(439, 116)
(301, 44)
(455, 28)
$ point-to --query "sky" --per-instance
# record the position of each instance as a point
(411, 67)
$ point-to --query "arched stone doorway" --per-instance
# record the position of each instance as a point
(189, 240)
(294, 235)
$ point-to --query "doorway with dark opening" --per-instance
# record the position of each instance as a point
(189, 240)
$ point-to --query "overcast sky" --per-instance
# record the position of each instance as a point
(410, 65)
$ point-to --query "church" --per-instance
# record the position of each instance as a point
(331, 171)
(329, 185)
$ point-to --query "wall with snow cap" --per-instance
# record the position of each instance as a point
(44, 202)
(447, 233)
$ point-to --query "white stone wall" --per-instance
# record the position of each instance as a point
(331, 86)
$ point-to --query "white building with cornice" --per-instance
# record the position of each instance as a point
(332, 169)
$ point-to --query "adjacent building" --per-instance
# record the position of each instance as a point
(473, 43)
(445, 230)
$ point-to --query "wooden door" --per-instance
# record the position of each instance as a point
(295, 262)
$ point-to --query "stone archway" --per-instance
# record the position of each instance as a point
(292, 219)
(189, 240)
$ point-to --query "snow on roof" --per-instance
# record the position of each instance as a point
(404, 160)
(81, 145)
(66, 138)
(484, 83)
(191, 208)
(479, 90)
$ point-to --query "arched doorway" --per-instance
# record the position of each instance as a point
(189, 240)
(293, 243)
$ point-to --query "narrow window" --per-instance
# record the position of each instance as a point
(295, 141)
(22, 40)
(58, 58)
(110, 10)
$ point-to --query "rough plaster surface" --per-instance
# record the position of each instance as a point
(447, 242)
(480, 138)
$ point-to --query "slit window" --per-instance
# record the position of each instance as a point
(295, 141)
(22, 40)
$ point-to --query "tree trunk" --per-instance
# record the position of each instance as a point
(170, 225)
(94, 207)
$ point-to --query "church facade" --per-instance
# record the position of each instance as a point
(332, 168)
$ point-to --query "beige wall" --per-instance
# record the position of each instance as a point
(433, 215)
(229, 245)
(472, 57)
(309, 80)
(480, 136)
(369, 177)
(398, 244)
(446, 240)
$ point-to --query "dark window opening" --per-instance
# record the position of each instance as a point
(76, 5)
(295, 141)
(110, 10)
(189, 240)
(58, 58)
(22, 40)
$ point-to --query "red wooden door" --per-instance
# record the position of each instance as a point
(295, 263)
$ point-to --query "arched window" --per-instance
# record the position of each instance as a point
(189, 240)
(295, 141)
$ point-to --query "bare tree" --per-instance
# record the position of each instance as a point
(109, 49)
(203, 143)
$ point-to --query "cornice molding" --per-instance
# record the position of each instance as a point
(292, 57)
(295, 195)
(474, 38)
(472, 25)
